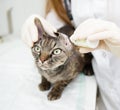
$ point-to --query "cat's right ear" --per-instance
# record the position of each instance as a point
(40, 28)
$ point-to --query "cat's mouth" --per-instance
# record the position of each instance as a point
(43, 66)
(47, 66)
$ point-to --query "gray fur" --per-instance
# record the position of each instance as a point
(58, 67)
(57, 60)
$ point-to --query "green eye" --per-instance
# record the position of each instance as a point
(57, 51)
(37, 49)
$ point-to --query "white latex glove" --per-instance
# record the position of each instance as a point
(107, 33)
(29, 30)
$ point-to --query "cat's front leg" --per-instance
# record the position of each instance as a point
(57, 89)
(44, 85)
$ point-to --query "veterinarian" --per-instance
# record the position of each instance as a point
(94, 20)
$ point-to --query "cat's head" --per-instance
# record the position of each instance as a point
(49, 51)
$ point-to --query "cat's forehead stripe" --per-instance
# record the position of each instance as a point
(48, 43)
(44, 42)
(40, 43)
(52, 43)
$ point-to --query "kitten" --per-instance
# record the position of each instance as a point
(57, 60)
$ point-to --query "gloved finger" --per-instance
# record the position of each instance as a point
(100, 36)
(33, 33)
(95, 26)
(85, 50)
(85, 34)
(83, 26)
(112, 36)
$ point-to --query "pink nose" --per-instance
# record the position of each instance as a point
(42, 59)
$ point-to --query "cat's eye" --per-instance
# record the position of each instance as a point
(57, 51)
(37, 49)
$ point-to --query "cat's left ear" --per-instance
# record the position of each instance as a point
(40, 28)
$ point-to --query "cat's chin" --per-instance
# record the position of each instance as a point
(44, 68)
(48, 68)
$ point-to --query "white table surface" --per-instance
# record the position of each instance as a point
(19, 81)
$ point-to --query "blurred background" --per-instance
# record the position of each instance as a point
(13, 14)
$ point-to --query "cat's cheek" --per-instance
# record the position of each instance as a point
(47, 64)
(39, 63)
(63, 61)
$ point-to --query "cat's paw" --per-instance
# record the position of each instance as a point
(54, 96)
(44, 87)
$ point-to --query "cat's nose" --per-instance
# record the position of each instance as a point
(43, 58)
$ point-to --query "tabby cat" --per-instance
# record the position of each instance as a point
(57, 60)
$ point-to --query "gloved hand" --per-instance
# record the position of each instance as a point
(29, 30)
(107, 33)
